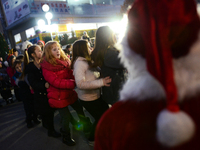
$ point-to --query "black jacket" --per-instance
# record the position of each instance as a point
(115, 70)
(37, 82)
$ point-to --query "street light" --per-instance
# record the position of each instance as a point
(48, 16)
(41, 22)
(45, 8)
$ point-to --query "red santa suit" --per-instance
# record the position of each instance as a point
(160, 102)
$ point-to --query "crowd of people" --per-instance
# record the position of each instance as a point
(159, 104)
(46, 78)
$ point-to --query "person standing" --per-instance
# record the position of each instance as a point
(105, 56)
(57, 72)
(41, 44)
(39, 86)
(88, 83)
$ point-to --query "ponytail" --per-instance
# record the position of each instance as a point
(27, 58)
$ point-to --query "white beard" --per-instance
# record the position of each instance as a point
(141, 85)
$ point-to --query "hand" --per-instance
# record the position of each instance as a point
(47, 85)
(106, 81)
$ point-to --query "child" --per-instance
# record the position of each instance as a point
(18, 68)
(25, 93)
(5, 85)
(68, 51)
(41, 44)
(88, 84)
(39, 86)
(15, 52)
(11, 71)
(57, 72)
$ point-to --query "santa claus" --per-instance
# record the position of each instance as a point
(160, 102)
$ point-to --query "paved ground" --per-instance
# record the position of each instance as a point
(14, 135)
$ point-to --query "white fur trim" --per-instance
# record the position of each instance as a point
(140, 85)
(174, 129)
(187, 72)
(25, 44)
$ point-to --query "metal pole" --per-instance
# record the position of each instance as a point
(49, 23)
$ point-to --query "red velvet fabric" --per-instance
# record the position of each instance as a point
(131, 125)
(164, 29)
(60, 77)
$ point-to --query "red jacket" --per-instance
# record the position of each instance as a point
(11, 71)
(131, 125)
(60, 77)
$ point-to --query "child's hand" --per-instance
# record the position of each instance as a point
(31, 88)
(106, 81)
(47, 85)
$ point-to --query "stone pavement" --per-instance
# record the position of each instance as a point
(14, 135)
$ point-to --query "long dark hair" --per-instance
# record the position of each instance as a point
(80, 49)
(104, 39)
(27, 55)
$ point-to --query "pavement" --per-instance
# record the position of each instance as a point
(14, 135)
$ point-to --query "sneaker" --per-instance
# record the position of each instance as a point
(91, 143)
(36, 121)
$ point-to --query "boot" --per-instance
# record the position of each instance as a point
(44, 124)
(53, 133)
(67, 138)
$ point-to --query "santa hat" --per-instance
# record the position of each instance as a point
(41, 42)
(160, 31)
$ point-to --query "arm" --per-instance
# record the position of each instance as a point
(80, 68)
(53, 80)
(112, 60)
(38, 85)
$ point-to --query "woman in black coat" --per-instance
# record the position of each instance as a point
(39, 86)
(105, 56)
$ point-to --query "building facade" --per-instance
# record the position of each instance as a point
(22, 16)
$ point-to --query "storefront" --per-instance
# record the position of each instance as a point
(67, 17)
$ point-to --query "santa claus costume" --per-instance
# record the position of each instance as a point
(160, 102)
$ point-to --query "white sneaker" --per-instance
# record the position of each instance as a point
(91, 143)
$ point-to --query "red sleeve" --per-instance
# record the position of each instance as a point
(53, 80)
(72, 76)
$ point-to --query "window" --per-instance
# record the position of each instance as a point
(17, 38)
(30, 33)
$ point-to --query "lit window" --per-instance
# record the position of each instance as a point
(30, 33)
(17, 37)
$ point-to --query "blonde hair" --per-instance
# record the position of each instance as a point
(48, 56)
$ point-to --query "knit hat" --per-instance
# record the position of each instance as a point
(161, 31)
